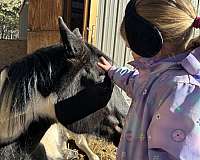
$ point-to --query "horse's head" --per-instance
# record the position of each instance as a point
(61, 83)
(90, 88)
(83, 57)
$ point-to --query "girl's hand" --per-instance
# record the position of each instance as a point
(104, 64)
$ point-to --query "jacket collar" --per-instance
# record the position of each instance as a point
(190, 61)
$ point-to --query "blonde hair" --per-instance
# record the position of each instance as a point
(174, 19)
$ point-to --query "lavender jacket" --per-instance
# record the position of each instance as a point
(163, 122)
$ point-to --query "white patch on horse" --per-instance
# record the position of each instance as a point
(55, 140)
(51, 142)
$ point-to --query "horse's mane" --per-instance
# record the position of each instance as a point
(25, 80)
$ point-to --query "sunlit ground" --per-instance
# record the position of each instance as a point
(105, 150)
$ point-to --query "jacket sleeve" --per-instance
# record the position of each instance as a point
(175, 123)
(124, 78)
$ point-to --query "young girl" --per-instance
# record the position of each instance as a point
(163, 122)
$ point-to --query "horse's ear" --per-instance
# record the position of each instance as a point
(73, 44)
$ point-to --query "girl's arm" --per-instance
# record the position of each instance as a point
(123, 77)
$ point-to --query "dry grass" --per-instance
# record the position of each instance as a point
(105, 150)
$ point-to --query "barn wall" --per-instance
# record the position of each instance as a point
(109, 17)
(43, 14)
(11, 50)
(43, 23)
(42, 39)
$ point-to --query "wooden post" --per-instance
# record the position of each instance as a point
(86, 19)
(93, 21)
(67, 11)
(43, 27)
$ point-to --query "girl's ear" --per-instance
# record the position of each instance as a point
(72, 43)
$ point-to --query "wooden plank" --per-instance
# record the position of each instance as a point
(67, 11)
(120, 44)
(93, 22)
(85, 20)
(107, 23)
(41, 39)
(100, 23)
(112, 30)
(43, 14)
(43, 23)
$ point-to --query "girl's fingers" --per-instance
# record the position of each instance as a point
(104, 64)
(103, 60)
(100, 65)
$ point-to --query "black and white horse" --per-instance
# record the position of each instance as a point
(60, 83)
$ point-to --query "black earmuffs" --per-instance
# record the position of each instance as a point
(143, 37)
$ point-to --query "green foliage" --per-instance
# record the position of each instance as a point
(9, 18)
